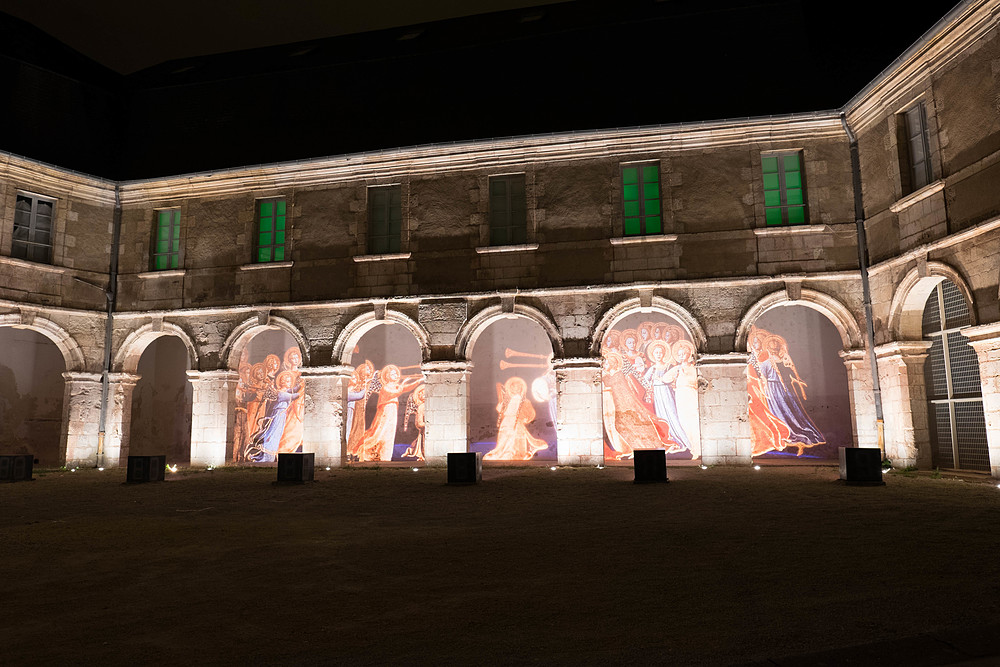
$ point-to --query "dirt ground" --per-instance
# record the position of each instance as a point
(572, 566)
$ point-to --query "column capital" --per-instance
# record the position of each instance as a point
(221, 374)
(124, 378)
(340, 371)
(983, 336)
(78, 376)
(903, 349)
(446, 366)
(730, 359)
(853, 356)
(564, 363)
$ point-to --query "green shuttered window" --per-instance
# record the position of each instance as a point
(271, 231)
(385, 220)
(167, 240)
(784, 189)
(641, 198)
(508, 210)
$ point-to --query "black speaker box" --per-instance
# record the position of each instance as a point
(861, 466)
(650, 465)
(145, 469)
(295, 468)
(16, 468)
(465, 467)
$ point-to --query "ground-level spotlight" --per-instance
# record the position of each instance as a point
(552, 468)
(101, 469)
(600, 467)
(328, 468)
(703, 466)
(72, 469)
(756, 467)
(172, 468)
(886, 470)
(416, 469)
(209, 468)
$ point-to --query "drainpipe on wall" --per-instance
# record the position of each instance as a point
(859, 221)
(111, 294)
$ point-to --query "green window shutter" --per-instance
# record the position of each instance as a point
(167, 240)
(641, 200)
(271, 231)
(784, 189)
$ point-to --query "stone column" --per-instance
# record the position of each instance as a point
(985, 340)
(118, 421)
(725, 426)
(212, 402)
(323, 424)
(862, 395)
(446, 410)
(81, 418)
(579, 420)
(904, 402)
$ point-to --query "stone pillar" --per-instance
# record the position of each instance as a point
(212, 402)
(579, 420)
(323, 424)
(725, 426)
(985, 340)
(81, 418)
(862, 395)
(904, 402)
(446, 410)
(118, 421)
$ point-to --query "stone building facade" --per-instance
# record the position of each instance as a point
(716, 263)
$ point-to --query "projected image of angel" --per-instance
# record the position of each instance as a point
(357, 400)
(264, 446)
(415, 409)
(767, 431)
(786, 393)
(514, 413)
(379, 439)
(627, 420)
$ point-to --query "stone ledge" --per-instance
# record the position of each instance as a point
(652, 238)
(382, 258)
(791, 229)
(524, 247)
(14, 261)
(266, 265)
(921, 194)
(171, 273)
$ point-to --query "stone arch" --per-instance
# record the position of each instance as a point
(478, 323)
(833, 309)
(130, 351)
(907, 309)
(362, 324)
(245, 331)
(71, 351)
(628, 307)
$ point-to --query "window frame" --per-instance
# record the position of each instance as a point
(20, 248)
(503, 220)
(386, 243)
(911, 128)
(277, 252)
(175, 237)
(780, 178)
(643, 216)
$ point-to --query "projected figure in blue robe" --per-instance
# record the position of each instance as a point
(784, 388)
(264, 446)
(664, 400)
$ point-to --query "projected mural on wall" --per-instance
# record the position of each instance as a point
(513, 393)
(269, 399)
(650, 389)
(798, 404)
(31, 395)
(384, 415)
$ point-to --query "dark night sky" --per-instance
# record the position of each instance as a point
(129, 35)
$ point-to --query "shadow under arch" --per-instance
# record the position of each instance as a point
(244, 332)
(835, 311)
(906, 311)
(478, 323)
(623, 309)
(130, 351)
(362, 324)
(72, 353)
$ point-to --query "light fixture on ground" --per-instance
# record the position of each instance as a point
(465, 468)
(650, 465)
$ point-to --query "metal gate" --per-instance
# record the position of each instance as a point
(954, 392)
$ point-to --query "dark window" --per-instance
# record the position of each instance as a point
(784, 189)
(269, 242)
(914, 150)
(508, 210)
(952, 381)
(641, 197)
(32, 229)
(167, 240)
(385, 220)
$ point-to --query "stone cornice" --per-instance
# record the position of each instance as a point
(493, 154)
(54, 182)
(983, 336)
(903, 349)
